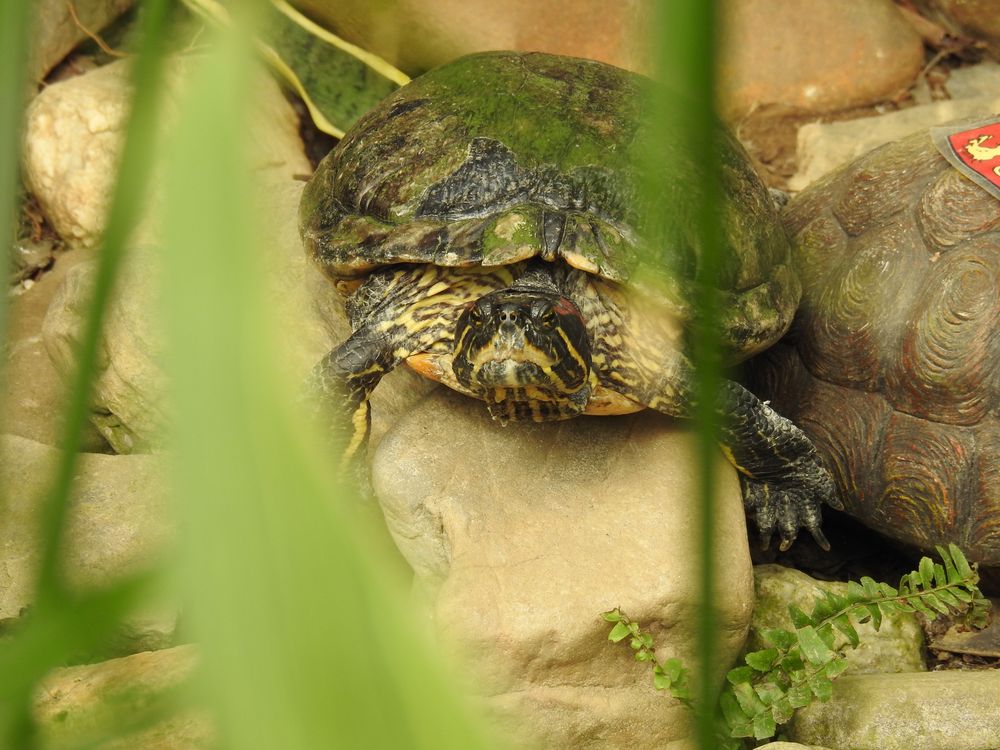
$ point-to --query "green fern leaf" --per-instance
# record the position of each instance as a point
(844, 625)
(812, 646)
(768, 692)
(834, 668)
(778, 637)
(934, 600)
(619, 632)
(799, 696)
(799, 618)
(926, 569)
(740, 675)
(855, 592)
(731, 710)
(747, 697)
(949, 564)
(940, 577)
(763, 660)
(961, 564)
(763, 726)
(876, 614)
(782, 710)
(871, 587)
(821, 687)
(962, 595)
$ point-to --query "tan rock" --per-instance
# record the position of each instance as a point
(897, 646)
(34, 387)
(813, 55)
(55, 33)
(91, 703)
(947, 710)
(521, 536)
(417, 35)
(117, 525)
(974, 18)
(128, 392)
(73, 136)
(128, 412)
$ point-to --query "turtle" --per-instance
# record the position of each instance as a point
(486, 223)
(892, 365)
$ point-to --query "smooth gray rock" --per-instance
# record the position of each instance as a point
(521, 536)
(898, 646)
(947, 710)
(117, 525)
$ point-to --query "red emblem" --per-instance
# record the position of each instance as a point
(975, 151)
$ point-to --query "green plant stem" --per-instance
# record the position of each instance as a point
(14, 15)
(126, 205)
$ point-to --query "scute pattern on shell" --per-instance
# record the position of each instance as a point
(951, 342)
(895, 370)
(499, 157)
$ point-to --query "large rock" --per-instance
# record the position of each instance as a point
(55, 31)
(521, 536)
(813, 56)
(897, 646)
(74, 132)
(92, 703)
(417, 35)
(73, 136)
(949, 710)
(34, 387)
(128, 409)
(117, 526)
(128, 393)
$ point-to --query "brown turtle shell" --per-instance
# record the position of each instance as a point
(892, 365)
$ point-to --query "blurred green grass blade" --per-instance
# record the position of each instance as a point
(304, 644)
(685, 40)
(50, 637)
(338, 81)
(127, 201)
(13, 55)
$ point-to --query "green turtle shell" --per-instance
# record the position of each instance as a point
(499, 157)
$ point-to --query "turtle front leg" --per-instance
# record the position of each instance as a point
(343, 381)
(784, 482)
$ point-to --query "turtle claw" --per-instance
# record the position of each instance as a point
(791, 503)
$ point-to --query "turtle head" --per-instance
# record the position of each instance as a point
(525, 352)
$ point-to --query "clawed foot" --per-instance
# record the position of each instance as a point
(791, 502)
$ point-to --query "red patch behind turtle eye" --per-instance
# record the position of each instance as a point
(565, 306)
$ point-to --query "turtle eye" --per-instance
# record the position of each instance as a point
(548, 318)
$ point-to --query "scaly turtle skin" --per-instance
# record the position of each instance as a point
(487, 222)
(893, 363)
